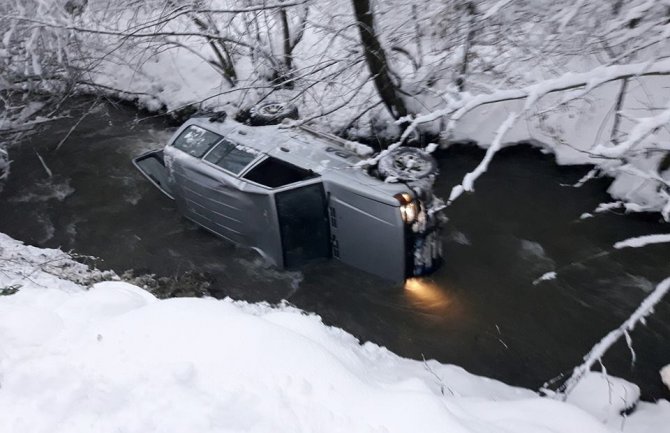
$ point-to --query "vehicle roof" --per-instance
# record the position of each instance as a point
(303, 149)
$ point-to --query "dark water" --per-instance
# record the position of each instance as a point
(480, 311)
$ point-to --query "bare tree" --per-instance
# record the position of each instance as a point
(471, 19)
(290, 39)
(376, 60)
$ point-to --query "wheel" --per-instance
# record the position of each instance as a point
(272, 113)
(407, 163)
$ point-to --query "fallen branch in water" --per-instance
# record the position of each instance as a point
(76, 125)
(598, 351)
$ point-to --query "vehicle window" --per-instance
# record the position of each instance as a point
(230, 156)
(196, 141)
(274, 173)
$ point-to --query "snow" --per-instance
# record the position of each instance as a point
(532, 93)
(665, 375)
(640, 131)
(545, 277)
(604, 397)
(642, 241)
(80, 355)
(494, 9)
(570, 14)
(606, 207)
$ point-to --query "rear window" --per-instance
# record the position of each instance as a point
(231, 156)
(274, 173)
(196, 141)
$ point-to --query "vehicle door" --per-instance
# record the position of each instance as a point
(366, 233)
(301, 210)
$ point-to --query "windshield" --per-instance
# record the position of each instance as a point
(196, 141)
(231, 157)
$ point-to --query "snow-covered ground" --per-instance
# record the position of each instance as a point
(78, 354)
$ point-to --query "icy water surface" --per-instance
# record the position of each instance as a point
(480, 311)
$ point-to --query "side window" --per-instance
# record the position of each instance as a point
(230, 156)
(274, 173)
(196, 141)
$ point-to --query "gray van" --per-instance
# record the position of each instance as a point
(295, 195)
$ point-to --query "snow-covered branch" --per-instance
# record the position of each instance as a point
(469, 180)
(571, 80)
(643, 129)
(642, 241)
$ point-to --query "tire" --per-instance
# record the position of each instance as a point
(406, 164)
(271, 113)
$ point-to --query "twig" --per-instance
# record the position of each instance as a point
(83, 116)
(44, 164)
(599, 350)
(438, 379)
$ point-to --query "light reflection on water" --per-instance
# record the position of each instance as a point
(426, 294)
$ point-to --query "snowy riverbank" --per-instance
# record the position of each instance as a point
(585, 81)
(76, 355)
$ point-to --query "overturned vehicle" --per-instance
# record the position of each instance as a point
(296, 195)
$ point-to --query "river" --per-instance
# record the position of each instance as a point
(481, 310)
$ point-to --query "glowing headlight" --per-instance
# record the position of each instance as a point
(408, 212)
(409, 208)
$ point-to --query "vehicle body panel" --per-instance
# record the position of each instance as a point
(233, 209)
(152, 165)
(367, 234)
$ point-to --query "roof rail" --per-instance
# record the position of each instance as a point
(328, 136)
(360, 149)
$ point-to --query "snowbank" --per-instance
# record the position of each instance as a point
(111, 357)
(573, 134)
(604, 397)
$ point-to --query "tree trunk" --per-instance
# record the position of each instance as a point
(376, 60)
(618, 106)
(286, 34)
(469, 36)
